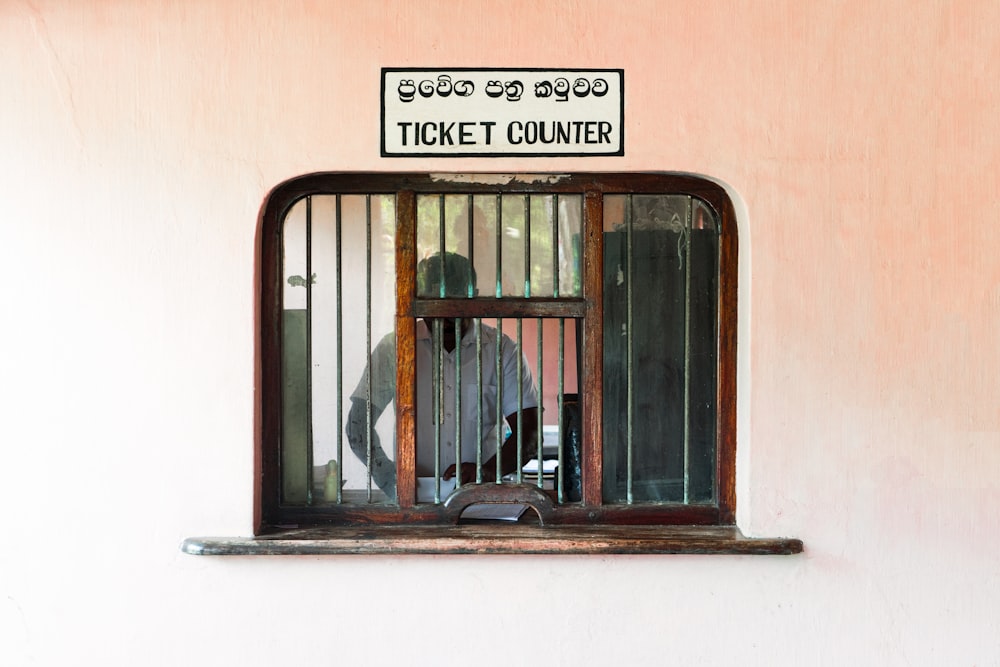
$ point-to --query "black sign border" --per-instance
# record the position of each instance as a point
(621, 112)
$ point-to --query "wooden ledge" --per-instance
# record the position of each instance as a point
(494, 539)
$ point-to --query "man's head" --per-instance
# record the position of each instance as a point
(450, 269)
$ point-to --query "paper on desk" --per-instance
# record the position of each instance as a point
(548, 466)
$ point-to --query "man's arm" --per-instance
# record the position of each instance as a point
(508, 451)
(529, 444)
(507, 455)
(529, 415)
(378, 383)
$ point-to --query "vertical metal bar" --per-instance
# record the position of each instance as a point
(459, 421)
(629, 392)
(437, 381)
(309, 374)
(470, 207)
(520, 356)
(442, 291)
(555, 245)
(470, 292)
(368, 344)
(437, 400)
(560, 394)
(499, 248)
(479, 400)
(498, 291)
(520, 402)
(539, 452)
(527, 245)
(340, 354)
(687, 352)
(559, 401)
(499, 402)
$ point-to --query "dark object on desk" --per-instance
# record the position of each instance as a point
(572, 472)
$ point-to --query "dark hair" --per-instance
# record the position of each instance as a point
(452, 270)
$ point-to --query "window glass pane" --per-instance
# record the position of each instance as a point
(510, 232)
(555, 245)
(517, 245)
(660, 284)
(570, 239)
(443, 225)
(703, 337)
(327, 330)
(294, 365)
(468, 403)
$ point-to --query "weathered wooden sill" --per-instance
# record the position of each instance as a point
(495, 539)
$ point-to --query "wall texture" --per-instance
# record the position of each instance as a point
(862, 143)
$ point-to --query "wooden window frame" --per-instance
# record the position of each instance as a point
(590, 526)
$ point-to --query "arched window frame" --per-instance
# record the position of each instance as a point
(591, 525)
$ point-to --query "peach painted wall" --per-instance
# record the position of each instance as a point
(861, 142)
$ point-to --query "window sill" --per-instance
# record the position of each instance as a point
(495, 539)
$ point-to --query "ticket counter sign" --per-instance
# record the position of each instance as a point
(502, 112)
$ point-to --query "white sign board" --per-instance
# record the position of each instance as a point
(500, 112)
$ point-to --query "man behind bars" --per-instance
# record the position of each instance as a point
(459, 277)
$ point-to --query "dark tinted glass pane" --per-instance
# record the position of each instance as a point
(660, 341)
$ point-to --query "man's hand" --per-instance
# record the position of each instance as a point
(469, 472)
(508, 451)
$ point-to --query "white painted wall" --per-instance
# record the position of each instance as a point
(137, 144)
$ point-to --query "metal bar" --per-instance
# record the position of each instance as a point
(368, 343)
(527, 246)
(687, 353)
(470, 293)
(479, 400)
(459, 421)
(499, 247)
(499, 294)
(470, 208)
(520, 369)
(555, 246)
(438, 376)
(520, 402)
(560, 395)
(630, 386)
(539, 452)
(437, 400)
(499, 402)
(442, 288)
(340, 352)
(309, 374)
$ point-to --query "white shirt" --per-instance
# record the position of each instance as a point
(383, 389)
